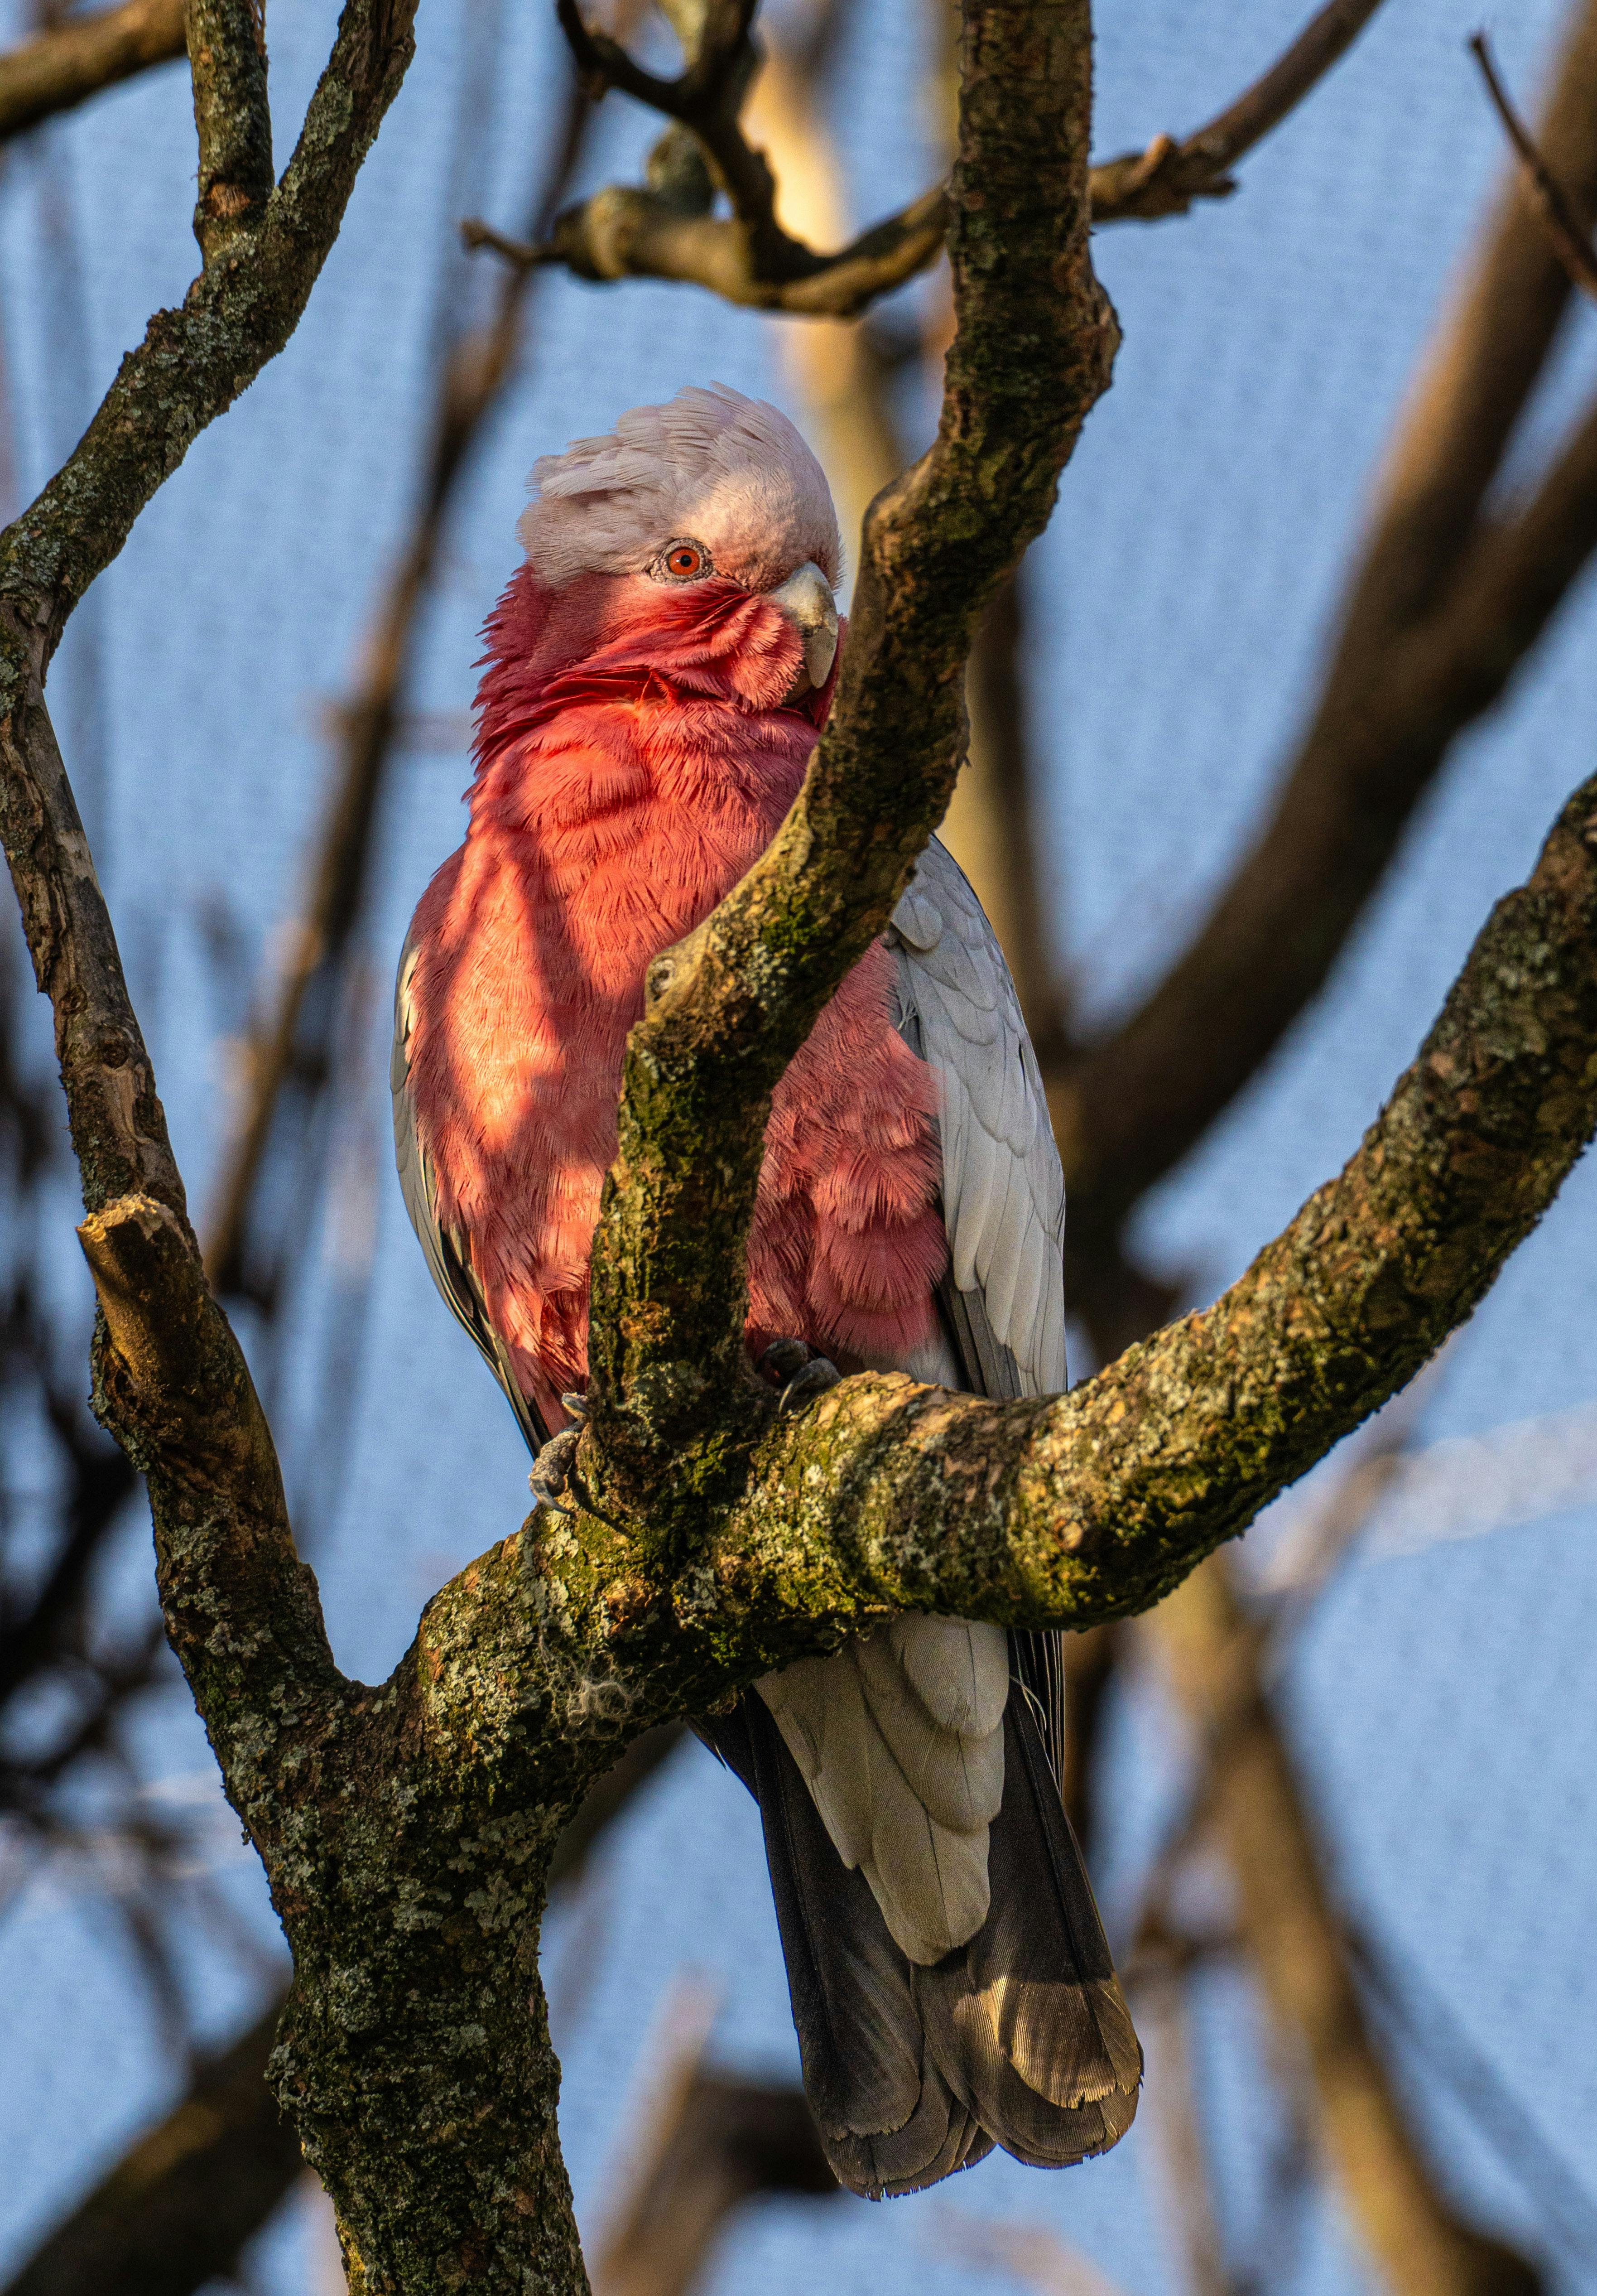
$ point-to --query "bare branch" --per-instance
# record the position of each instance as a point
(667, 231)
(118, 1127)
(1098, 1502)
(74, 59)
(174, 2211)
(194, 362)
(1166, 178)
(1559, 218)
(703, 2144)
(177, 2209)
(1441, 610)
(227, 59)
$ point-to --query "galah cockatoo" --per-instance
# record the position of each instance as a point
(657, 674)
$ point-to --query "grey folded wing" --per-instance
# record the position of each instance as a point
(1003, 1190)
(447, 1249)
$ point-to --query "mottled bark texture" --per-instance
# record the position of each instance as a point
(227, 61)
(407, 1829)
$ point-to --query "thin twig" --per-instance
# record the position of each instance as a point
(1559, 217)
(1166, 178)
(665, 230)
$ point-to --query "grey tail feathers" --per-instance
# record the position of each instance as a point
(1020, 2037)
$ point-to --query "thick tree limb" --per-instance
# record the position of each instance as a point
(176, 2211)
(407, 1829)
(666, 229)
(63, 67)
(1441, 611)
(889, 1496)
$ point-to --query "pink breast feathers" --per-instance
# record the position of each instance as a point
(602, 830)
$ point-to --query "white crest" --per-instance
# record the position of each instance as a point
(711, 467)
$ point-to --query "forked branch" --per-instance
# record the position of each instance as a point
(1166, 178)
(727, 1010)
(667, 228)
(1561, 220)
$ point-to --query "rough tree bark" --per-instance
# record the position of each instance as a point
(406, 1829)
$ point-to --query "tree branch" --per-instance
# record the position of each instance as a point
(119, 1127)
(1167, 176)
(477, 371)
(171, 1383)
(726, 1010)
(73, 61)
(1440, 611)
(666, 229)
(888, 1496)
(1420, 2247)
(174, 2212)
(227, 60)
(1571, 238)
(194, 362)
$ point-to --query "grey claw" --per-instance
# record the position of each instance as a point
(575, 1407)
(813, 1379)
(551, 1469)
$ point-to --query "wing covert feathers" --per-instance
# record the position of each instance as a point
(899, 1739)
(1004, 1192)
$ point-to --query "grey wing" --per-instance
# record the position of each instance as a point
(1003, 1191)
(445, 1249)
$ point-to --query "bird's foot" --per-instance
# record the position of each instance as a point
(551, 1469)
(795, 1367)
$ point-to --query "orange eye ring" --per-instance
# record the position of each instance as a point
(684, 562)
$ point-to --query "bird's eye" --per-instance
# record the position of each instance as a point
(685, 562)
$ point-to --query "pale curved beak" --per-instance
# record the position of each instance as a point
(806, 599)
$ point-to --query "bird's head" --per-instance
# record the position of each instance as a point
(695, 546)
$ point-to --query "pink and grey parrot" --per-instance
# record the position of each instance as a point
(657, 675)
